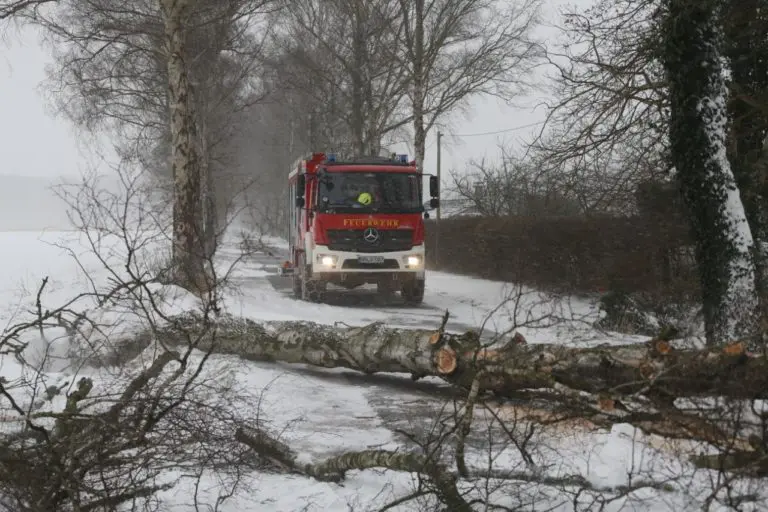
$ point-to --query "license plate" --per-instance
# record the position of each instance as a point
(370, 259)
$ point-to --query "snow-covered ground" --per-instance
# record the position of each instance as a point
(321, 413)
(489, 307)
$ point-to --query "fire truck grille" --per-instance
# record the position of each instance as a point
(354, 240)
(356, 265)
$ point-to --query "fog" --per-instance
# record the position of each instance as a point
(29, 203)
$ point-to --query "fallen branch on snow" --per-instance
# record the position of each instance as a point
(335, 468)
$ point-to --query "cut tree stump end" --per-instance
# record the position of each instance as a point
(662, 347)
(735, 348)
(446, 360)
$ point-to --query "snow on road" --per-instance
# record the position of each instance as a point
(326, 412)
(490, 307)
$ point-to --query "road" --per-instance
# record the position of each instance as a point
(359, 301)
(400, 403)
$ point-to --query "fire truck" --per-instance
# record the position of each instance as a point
(357, 221)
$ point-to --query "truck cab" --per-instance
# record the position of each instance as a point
(355, 222)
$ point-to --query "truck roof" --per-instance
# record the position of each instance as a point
(311, 164)
(371, 160)
(389, 167)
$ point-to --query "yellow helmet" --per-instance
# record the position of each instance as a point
(365, 198)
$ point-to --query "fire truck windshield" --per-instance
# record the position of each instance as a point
(369, 191)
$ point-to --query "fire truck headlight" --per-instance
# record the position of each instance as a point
(327, 261)
(413, 261)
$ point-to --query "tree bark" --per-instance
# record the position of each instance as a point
(651, 369)
(359, 59)
(747, 52)
(208, 190)
(335, 468)
(698, 119)
(419, 80)
(188, 266)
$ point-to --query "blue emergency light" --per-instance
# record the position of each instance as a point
(331, 157)
(403, 159)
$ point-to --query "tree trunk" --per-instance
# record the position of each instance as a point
(698, 118)
(652, 369)
(210, 214)
(208, 192)
(188, 266)
(359, 62)
(747, 51)
(419, 133)
(335, 468)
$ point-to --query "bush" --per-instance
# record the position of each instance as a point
(576, 255)
(644, 314)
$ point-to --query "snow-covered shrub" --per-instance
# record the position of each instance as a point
(647, 314)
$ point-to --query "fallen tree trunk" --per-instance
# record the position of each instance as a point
(442, 480)
(334, 469)
(655, 369)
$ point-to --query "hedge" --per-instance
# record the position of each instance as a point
(572, 255)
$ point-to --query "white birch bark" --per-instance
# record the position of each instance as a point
(187, 226)
(419, 93)
(621, 370)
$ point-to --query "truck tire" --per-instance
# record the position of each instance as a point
(297, 286)
(386, 289)
(313, 290)
(298, 274)
(304, 287)
(413, 292)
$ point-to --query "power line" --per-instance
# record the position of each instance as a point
(539, 123)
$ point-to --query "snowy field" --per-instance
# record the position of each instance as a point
(321, 413)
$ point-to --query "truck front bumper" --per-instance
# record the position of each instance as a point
(400, 265)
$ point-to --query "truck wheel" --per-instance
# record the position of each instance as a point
(313, 290)
(298, 281)
(386, 288)
(297, 286)
(413, 292)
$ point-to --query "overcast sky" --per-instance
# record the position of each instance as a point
(35, 143)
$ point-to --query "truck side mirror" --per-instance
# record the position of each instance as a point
(299, 202)
(434, 203)
(301, 183)
(434, 187)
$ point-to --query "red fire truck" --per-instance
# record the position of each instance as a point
(355, 222)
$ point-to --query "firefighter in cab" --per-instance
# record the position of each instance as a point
(365, 199)
(359, 195)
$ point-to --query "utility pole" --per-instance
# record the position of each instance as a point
(439, 181)
(439, 206)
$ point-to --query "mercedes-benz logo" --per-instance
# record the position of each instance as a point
(371, 235)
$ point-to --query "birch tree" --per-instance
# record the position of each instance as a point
(344, 52)
(693, 53)
(455, 49)
(225, 66)
(185, 164)
(113, 67)
(202, 30)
